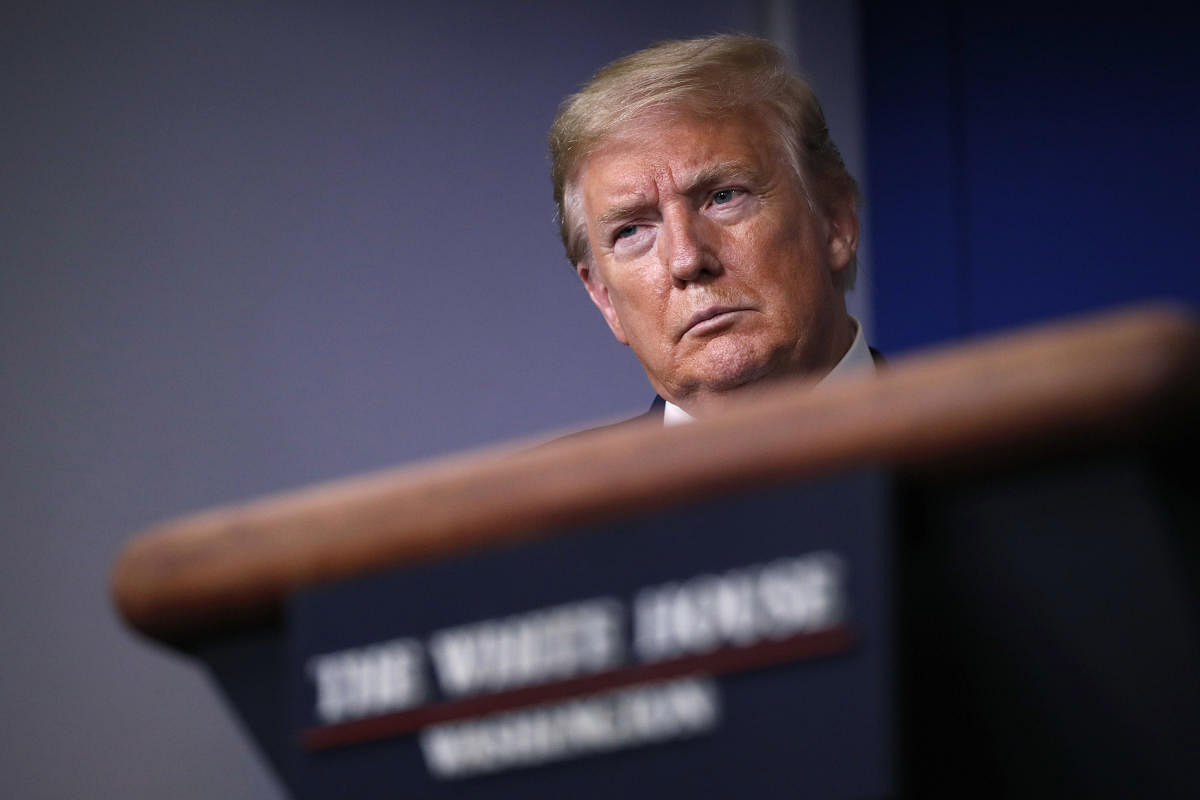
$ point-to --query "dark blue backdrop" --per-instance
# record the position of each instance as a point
(1028, 161)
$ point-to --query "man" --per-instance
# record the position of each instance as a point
(711, 219)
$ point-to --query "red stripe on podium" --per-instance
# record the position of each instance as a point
(718, 662)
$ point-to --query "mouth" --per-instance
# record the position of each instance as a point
(712, 318)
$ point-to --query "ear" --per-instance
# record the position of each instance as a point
(598, 291)
(842, 235)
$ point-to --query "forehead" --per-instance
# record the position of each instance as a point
(669, 151)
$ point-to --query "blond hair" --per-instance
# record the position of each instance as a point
(707, 77)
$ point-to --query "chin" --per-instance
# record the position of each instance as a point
(738, 363)
(730, 377)
(729, 365)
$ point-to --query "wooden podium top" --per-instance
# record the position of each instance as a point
(1120, 377)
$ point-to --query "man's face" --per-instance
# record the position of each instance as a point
(707, 259)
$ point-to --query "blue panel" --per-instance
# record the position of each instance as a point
(1029, 163)
(1081, 161)
(912, 179)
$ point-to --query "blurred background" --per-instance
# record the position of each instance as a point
(246, 246)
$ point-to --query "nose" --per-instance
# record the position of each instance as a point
(685, 246)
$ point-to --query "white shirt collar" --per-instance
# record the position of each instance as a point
(674, 415)
(857, 358)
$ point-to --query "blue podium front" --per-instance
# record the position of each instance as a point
(733, 647)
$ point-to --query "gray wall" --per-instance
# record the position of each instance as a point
(250, 245)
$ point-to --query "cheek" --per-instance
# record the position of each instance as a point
(764, 260)
(645, 316)
(766, 241)
(641, 288)
(791, 274)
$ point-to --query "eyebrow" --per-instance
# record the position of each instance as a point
(623, 211)
(705, 178)
(721, 173)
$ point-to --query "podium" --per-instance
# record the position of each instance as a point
(976, 572)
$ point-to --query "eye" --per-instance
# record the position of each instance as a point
(625, 231)
(723, 196)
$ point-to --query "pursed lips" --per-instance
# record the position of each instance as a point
(703, 316)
